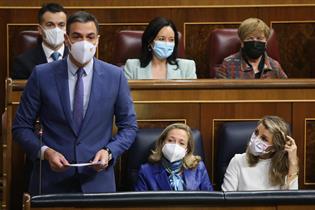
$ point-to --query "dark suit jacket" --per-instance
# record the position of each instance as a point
(153, 177)
(46, 96)
(25, 62)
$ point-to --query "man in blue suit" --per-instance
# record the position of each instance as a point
(76, 100)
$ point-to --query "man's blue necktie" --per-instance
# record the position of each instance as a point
(55, 55)
(78, 100)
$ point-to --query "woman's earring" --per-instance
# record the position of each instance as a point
(149, 48)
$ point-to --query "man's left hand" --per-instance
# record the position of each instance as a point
(101, 160)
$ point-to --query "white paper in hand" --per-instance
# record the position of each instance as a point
(82, 164)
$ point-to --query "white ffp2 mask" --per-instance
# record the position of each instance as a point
(54, 36)
(83, 51)
(173, 152)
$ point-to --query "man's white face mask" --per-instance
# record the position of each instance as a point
(54, 36)
(83, 51)
(173, 152)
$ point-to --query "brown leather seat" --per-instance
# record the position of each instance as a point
(128, 45)
(225, 42)
(27, 40)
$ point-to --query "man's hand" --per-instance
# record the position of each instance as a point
(56, 160)
(101, 160)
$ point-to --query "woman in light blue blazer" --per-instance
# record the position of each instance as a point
(158, 58)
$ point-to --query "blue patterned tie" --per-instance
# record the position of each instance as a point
(78, 100)
(55, 55)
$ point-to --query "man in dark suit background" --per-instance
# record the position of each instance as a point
(52, 27)
(76, 100)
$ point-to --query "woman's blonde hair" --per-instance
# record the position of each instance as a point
(190, 160)
(279, 167)
(253, 26)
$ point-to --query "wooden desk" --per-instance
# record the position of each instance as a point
(202, 104)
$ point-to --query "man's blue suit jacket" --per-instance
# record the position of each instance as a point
(154, 177)
(46, 96)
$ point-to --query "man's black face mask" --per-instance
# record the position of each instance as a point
(254, 49)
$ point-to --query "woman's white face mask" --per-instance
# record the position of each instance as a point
(173, 152)
(257, 146)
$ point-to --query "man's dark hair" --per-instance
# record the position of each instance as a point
(50, 7)
(81, 17)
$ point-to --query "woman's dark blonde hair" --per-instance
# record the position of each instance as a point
(253, 26)
(190, 160)
(279, 167)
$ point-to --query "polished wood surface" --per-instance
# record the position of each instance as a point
(203, 104)
(161, 3)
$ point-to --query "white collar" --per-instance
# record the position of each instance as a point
(72, 68)
(49, 51)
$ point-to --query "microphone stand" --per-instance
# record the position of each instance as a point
(40, 133)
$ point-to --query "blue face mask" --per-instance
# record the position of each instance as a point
(163, 49)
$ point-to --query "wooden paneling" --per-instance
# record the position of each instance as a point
(159, 3)
(309, 152)
(294, 207)
(297, 42)
(304, 116)
(159, 114)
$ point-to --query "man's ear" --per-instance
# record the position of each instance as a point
(40, 30)
(97, 40)
(67, 41)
